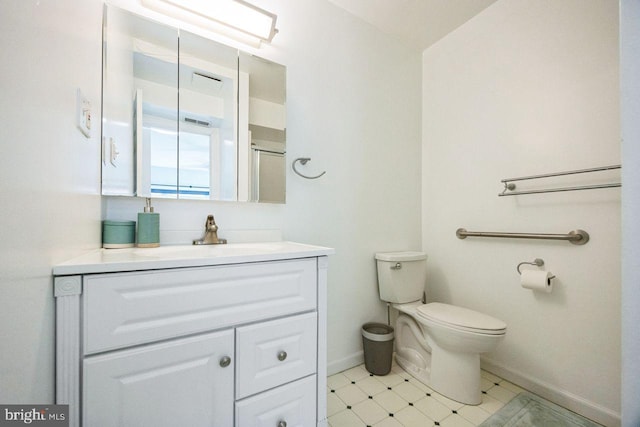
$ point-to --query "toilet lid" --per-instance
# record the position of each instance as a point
(461, 318)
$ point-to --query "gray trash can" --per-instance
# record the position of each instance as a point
(377, 342)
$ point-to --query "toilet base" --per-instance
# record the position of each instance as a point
(411, 351)
(454, 375)
(421, 374)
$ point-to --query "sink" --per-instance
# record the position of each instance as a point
(170, 251)
(207, 251)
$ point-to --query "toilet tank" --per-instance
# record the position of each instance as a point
(401, 276)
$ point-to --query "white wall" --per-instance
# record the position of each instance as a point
(630, 105)
(353, 106)
(49, 176)
(526, 88)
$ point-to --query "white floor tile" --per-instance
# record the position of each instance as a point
(346, 418)
(490, 376)
(409, 392)
(357, 373)
(473, 414)
(390, 401)
(371, 386)
(334, 404)
(388, 422)
(485, 384)
(451, 404)
(391, 379)
(420, 385)
(455, 420)
(432, 408)
(490, 404)
(370, 412)
(336, 381)
(411, 417)
(351, 394)
(500, 393)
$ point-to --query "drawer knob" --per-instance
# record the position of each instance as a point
(281, 356)
(282, 423)
(225, 361)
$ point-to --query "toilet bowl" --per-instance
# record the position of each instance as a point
(438, 344)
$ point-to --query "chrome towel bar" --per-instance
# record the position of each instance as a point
(576, 237)
(509, 186)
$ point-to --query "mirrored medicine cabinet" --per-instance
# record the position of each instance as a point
(185, 117)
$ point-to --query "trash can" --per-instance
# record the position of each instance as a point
(377, 342)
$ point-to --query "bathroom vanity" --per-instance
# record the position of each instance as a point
(225, 335)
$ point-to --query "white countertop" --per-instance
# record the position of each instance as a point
(133, 259)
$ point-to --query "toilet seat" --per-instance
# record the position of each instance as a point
(461, 319)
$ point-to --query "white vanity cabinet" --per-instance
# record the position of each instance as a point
(217, 337)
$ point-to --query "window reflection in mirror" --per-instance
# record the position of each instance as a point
(208, 151)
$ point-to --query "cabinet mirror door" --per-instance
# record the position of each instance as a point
(140, 95)
(262, 128)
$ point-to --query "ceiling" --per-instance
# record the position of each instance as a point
(420, 23)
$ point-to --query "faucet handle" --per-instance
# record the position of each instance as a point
(210, 224)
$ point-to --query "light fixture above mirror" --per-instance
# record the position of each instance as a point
(236, 19)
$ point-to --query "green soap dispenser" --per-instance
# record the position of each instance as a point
(148, 227)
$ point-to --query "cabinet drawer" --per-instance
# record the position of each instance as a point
(176, 383)
(124, 309)
(275, 352)
(294, 403)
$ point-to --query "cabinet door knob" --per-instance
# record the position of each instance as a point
(282, 423)
(225, 361)
(281, 356)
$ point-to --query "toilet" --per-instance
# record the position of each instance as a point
(438, 344)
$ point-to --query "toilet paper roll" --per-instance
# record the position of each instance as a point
(537, 280)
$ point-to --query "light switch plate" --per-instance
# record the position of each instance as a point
(83, 114)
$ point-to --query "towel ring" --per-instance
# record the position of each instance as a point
(303, 161)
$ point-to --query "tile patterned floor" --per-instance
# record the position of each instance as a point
(356, 398)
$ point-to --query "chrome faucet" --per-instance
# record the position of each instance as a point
(210, 236)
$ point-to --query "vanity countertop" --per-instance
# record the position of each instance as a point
(133, 259)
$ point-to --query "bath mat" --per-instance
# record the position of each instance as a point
(528, 410)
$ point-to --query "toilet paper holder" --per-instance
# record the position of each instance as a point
(538, 262)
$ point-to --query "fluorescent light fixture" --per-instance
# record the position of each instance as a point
(236, 19)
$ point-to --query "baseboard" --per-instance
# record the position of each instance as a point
(343, 364)
(554, 394)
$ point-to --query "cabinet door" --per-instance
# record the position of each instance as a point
(292, 405)
(275, 352)
(184, 382)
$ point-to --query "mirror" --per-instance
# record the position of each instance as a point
(133, 49)
(263, 127)
(186, 117)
